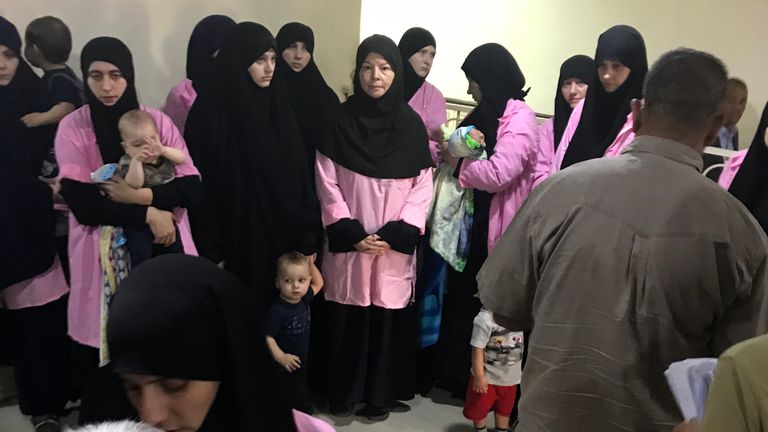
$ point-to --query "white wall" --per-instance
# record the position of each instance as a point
(543, 33)
(157, 31)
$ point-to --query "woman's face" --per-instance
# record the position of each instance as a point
(574, 90)
(170, 404)
(297, 56)
(422, 61)
(9, 62)
(263, 69)
(474, 90)
(106, 82)
(612, 74)
(376, 75)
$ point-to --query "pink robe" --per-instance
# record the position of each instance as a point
(37, 291)
(625, 136)
(429, 104)
(546, 151)
(361, 279)
(731, 168)
(78, 155)
(179, 101)
(509, 172)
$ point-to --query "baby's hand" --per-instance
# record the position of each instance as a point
(290, 362)
(155, 146)
(33, 120)
(144, 155)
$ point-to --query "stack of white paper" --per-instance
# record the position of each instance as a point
(690, 380)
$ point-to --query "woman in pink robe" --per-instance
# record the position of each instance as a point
(87, 139)
(374, 182)
(601, 125)
(33, 289)
(576, 75)
(204, 44)
(500, 185)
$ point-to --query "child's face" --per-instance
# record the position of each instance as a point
(477, 136)
(32, 54)
(134, 139)
(293, 281)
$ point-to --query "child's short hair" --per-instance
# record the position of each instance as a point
(734, 82)
(51, 37)
(123, 426)
(295, 258)
(133, 119)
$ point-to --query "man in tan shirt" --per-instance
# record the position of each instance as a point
(622, 266)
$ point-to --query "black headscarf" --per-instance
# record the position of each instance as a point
(750, 186)
(105, 118)
(605, 113)
(380, 138)
(578, 66)
(179, 316)
(312, 100)
(414, 40)
(205, 41)
(27, 219)
(500, 79)
(248, 147)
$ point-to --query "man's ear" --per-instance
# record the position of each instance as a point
(638, 108)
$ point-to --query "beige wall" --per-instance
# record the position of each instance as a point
(157, 31)
(543, 33)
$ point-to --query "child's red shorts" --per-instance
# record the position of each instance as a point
(499, 399)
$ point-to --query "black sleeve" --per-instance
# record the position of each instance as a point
(344, 234)
(92, 209)
(184, 192)
(457, 171)
(402, 237)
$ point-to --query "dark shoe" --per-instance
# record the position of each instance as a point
(399, 407)
(373, 413)
(340, 409)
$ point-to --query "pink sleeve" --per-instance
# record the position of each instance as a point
(731, 168)
(170, 136)
(625, 137)
(416, 206)
(546, 151)
(565, 141)
(70, 154)
(178, 103)
(438, 117)
(332, 203)
(515, 150)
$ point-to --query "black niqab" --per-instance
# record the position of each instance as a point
(27, 220)
(581, 67)
(750, 186)
(414, 40)
(105, 118)
(204, 43)
(312, 100)
(383, 137)
(179, 316)
(605, 113)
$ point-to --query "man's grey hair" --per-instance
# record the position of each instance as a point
(686, 86)
(122, 426)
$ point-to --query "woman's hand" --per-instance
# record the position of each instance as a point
(118, 190)
(691, 426)
(162, 225)
(370, 245)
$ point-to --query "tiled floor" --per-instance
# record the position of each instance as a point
(437, 413)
